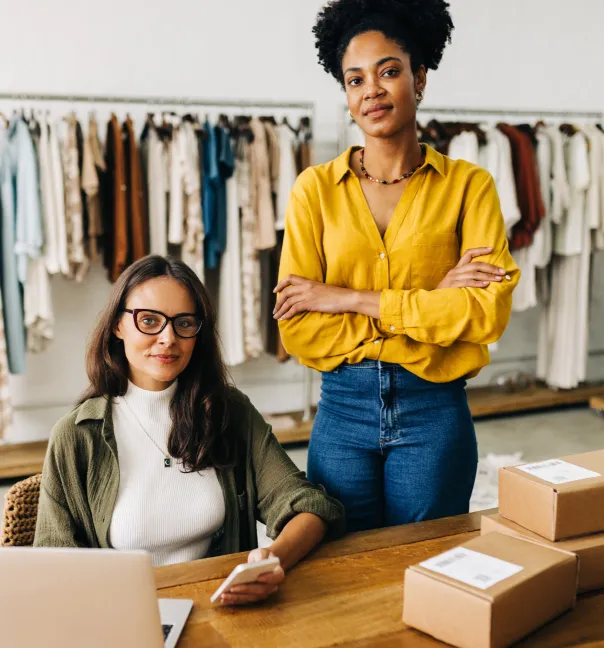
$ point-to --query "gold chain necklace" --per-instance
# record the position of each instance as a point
(386, 182)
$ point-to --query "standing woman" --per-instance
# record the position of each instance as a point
(395, 276)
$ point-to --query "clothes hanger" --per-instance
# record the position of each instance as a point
(291, 128)
(568, 129)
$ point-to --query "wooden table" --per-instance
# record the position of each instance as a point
(349, 593)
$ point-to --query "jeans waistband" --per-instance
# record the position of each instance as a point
(368, 364)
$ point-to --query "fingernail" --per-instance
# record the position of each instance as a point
(508, 277)
(501, 271)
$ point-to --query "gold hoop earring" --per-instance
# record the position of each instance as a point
(350, 113)
(419, 96)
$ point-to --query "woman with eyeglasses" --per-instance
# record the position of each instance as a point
(162, 454)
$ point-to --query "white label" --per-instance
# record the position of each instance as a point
(472, 568)
(556, 471)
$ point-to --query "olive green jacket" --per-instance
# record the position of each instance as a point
(81, 476)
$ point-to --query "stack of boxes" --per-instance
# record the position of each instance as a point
(545, 546)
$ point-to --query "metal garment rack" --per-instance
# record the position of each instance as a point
(157, 101)
(189, 102)
(512, 112)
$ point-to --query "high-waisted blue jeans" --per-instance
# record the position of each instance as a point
(392, 447)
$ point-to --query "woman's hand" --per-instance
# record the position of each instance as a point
(266, 584)
(467, 274)
(297, 295)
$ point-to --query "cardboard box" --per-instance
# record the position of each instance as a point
(588, 549)
(557, 499)
(499, 602)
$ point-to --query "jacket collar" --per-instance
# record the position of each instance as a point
(94, 409)
(342, 163)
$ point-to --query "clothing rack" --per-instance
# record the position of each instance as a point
(171, 101)
(515, 112)
(157, 101)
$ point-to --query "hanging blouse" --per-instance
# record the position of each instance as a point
(52, 192)
(76, 251)
(192, 249)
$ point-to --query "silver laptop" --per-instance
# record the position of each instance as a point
(70, 598)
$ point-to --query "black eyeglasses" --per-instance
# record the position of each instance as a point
(152, 322)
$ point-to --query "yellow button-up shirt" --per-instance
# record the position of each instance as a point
(447, 208)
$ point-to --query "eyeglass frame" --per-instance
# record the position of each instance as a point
(136, 311)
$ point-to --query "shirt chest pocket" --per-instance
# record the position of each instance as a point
(432, 256)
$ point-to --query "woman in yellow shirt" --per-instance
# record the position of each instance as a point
(395, 276)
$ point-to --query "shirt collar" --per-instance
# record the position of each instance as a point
(342, 163)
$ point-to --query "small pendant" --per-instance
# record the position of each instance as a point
(167, 462)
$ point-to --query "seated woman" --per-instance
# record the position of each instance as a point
(162, 454)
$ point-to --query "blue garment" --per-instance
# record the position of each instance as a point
(22, 232)
(393, 447)
(218, 167)
(211, 176)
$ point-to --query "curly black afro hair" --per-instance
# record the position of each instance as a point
(421, 27)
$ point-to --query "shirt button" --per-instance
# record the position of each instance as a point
(382, 256)
(393, 328)
(376, 341)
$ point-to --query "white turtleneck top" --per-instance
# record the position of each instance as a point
(171, 514)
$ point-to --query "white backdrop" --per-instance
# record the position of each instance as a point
(505, 54)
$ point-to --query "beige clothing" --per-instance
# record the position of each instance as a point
(76, 253)
(157, 182)
(176, 220)
(250, 263)
(230, 292)
(192, 249)
(265, 237)
(93, 160)
(6, 410)
(563, 343)
(52, 195)
(37, 305)
(274, 154)
(287, 172)
(568, 235)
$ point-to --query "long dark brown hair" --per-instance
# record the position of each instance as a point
(200, 434)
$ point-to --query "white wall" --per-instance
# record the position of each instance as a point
(505, 54)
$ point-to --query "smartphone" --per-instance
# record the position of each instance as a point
(246, 573)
